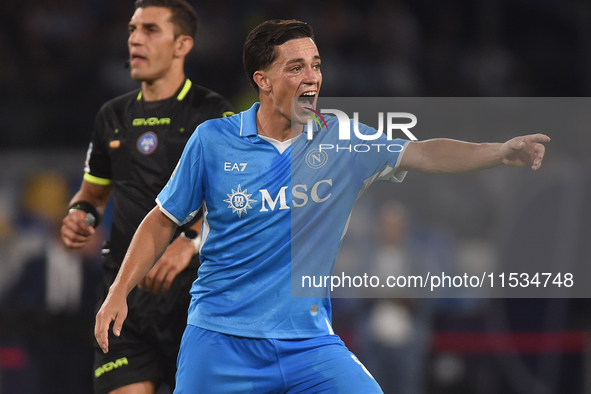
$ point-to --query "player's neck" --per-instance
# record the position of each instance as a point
(272, 124)
(162, 88)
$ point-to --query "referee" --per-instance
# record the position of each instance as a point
(136, 143)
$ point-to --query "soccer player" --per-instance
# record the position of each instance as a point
(137, 141)
(269, 213)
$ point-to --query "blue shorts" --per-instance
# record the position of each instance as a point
(210, 362)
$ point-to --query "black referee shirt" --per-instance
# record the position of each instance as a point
(136, 145)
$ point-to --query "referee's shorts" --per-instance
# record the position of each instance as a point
(149, 343)
(214, 363)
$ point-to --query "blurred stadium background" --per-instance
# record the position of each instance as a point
(61, 59)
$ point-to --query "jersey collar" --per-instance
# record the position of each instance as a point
(248, 122)
(184, 90)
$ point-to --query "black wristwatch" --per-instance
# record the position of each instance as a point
(192, 236)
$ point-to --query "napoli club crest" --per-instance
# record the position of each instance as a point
(147, 143)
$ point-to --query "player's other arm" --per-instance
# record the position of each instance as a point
(148, 244)
(445, 156)
(75, 232)
(175, 259)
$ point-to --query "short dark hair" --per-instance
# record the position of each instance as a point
(259, 48)
(183, 15)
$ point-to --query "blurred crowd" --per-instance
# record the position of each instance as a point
(60, 60)
(47, 293)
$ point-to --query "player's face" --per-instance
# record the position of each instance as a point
(295, 73)
(151, 43)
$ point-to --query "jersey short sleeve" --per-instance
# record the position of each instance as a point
(181, 198)
(97, 168)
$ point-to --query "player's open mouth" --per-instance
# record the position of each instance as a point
(307, 99)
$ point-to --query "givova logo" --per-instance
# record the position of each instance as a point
(150, 121)
(110, 366)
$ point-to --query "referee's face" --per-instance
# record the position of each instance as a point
(294, 73)
(151, 43)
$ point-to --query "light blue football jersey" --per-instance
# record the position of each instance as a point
(270, 216)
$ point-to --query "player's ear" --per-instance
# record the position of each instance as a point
(183, 45)
(262, 80)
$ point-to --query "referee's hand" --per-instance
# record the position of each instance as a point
(113, 310)
(75, 231)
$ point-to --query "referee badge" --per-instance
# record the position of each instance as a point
(147, 143)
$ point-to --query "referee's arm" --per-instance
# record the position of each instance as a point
(148, 244)
(75, 232)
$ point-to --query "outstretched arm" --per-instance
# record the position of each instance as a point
(445, 156)
(148, 244)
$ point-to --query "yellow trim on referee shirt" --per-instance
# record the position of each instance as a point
(95, 180)
(185, 90)
(182, 94)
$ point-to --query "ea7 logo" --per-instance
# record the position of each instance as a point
(235, 166)
(345, 125)
(301, 195)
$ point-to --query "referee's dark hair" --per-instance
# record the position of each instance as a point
(259, 48)
(183, 16)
